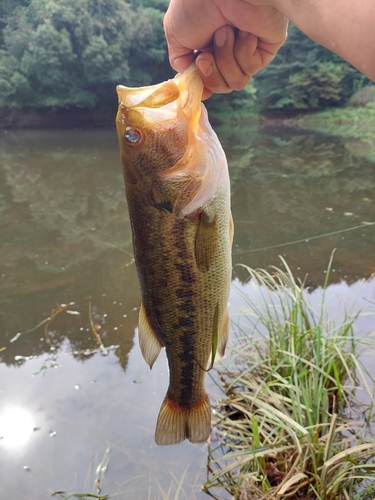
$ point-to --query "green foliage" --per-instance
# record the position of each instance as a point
(235, 102)
(70, 54)
(6, 8)
(317, 87)
(363, 97)
(63, 53)
(305, 75)
(148, 49)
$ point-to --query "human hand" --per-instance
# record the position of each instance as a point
(237, 38)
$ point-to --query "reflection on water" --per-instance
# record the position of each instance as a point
(65, 239)
(16, 426)
(82, 410)
(292, 187)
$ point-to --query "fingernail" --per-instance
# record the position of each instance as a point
(221, 36)
(205, 67)
(242, 34)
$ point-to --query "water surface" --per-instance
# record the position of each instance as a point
(71, 413)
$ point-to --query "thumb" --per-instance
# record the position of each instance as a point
(180, 62)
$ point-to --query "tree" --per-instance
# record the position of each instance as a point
(306, 75)
(6, 8)
(67, 52)
(72, 54)
(148, 49)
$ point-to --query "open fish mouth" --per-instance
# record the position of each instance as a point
(172, 109)
(166, 100)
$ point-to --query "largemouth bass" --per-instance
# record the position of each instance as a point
(178, 194)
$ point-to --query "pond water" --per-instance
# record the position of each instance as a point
(71, 413)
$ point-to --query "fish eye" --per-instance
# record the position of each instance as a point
(133, 136)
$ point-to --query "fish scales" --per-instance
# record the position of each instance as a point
(170, 290)
(183, 260)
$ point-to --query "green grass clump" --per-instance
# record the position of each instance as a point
(289, 426)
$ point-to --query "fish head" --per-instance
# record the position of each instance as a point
(160, 136)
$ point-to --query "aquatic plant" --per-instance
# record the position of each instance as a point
(289, 425)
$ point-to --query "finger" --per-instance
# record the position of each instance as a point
(247, 54)
(225, 58)
(189, 26)
(180, 57)
(206, 94)
(181, 63)
(212, 79)
(253, 54)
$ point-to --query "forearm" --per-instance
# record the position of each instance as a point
(345, 27)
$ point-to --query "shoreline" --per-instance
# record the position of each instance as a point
(94, 118)
(57, 119)
(329, 118)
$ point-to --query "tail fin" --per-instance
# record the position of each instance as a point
(175, 424)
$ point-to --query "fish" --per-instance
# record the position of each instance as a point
(178, 196)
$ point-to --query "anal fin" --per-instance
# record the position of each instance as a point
(223, 335)
(176, 424)
(219, 339)
(149, 343)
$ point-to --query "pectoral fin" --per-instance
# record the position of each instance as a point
(149, 343)
(206, 242)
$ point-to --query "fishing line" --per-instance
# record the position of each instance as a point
(305, 239)
(115, 246)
